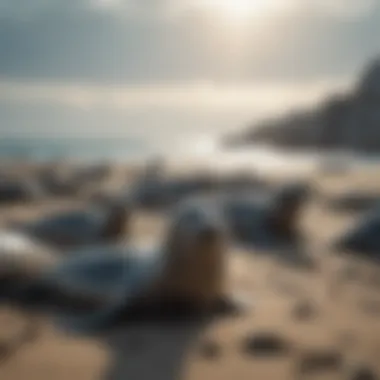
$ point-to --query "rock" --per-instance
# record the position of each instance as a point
(342, 122)
(369, 86)
(362, 373)
(266, 344)
(320, 361)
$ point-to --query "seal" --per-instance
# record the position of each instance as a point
(79, 228)
(193, 279)
(17, 190)
(286, 206)
(195, 261)
(186, 275)
(256, 218)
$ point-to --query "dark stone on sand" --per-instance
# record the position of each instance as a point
(363, 373)
(320, 361)
(266, 344)
(304, 311)
(210, 350)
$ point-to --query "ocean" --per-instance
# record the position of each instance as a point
(180, 123)
(177, 123)
(194, 150)
(80, 149)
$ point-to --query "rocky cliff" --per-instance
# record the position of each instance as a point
(350, 121)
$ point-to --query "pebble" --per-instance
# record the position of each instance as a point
(266, 344)
(363, 373)
(320, 361)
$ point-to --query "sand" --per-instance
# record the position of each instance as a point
(343, 319)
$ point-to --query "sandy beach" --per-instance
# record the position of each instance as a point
(342, 314)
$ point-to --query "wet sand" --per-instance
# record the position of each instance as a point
(342, 315)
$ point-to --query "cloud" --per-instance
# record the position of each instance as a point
(166, 41)
(345, 8)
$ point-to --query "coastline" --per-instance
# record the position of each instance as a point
(174, 352)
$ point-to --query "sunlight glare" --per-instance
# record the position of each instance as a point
(238, 10)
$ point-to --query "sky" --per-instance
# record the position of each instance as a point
(133, 65)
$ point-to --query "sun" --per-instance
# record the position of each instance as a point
(242, 8)
(238, 10)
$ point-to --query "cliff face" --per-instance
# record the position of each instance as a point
(350, 121)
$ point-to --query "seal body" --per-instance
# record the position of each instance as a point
(12, 190)
(187, 273)
(262, 219)
(74, 229)
(196, 281)
(195, 258)
(364, 238)
(103, 281)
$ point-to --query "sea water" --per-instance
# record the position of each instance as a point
(195, 150)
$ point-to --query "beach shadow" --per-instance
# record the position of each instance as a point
(151, 350)
(147, 342)
(140, 346)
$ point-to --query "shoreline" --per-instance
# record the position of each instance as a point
(174, 352)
